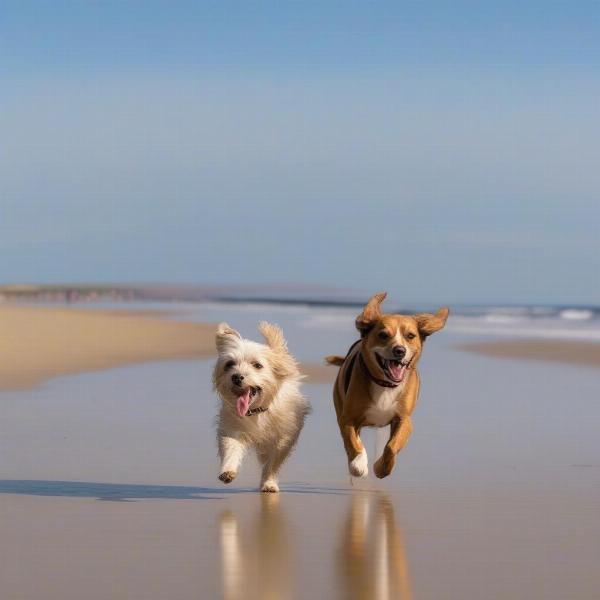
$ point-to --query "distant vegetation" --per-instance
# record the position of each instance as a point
(67, 293)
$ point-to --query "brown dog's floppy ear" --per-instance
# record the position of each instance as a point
(225, 334)
(273, 335)
(428, 323)
(371, 313)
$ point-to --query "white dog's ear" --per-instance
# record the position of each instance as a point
(273, 335)
(225, 335)
(428, 323)
(282, 362)
(371, 313)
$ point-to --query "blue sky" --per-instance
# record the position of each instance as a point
(448, 152)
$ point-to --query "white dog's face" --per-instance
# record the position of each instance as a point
(248, 374)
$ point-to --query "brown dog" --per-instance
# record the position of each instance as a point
(378, 383)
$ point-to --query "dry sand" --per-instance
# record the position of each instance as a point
(38, 343)
(562, 351)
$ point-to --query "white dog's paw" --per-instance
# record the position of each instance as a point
(227, 476)
(270, 487)
(359, 466)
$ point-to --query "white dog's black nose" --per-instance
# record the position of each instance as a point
(237, 379)
(399, 351)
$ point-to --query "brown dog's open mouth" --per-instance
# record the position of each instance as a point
(395, 370)
(246, 396)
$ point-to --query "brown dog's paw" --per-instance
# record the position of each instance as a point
(359, 465)
(227, 476)
(384, 465)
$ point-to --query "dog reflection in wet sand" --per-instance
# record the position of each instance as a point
(372, 562)
(256, 562)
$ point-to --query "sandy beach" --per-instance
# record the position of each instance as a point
(109, 490)
(39, 343)
(559, 351)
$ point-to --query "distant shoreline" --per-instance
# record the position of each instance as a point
(284, 295)
(53, 330)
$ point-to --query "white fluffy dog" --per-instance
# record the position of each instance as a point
(262, 407)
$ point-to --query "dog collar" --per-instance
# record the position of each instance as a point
(381, 382)
(255, 411)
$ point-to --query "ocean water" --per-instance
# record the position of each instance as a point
(333, 317)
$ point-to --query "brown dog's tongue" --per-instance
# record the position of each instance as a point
(243, 402)
(398, 372)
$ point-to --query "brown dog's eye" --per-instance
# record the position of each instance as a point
(257, 365)
(410, 336)
(383, 335)
(229, 364)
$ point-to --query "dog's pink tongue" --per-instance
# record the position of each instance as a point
(243, 402)
(398, 371)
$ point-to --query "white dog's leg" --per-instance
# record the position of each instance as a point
(272, 460)
(231, 451)
(231, 556)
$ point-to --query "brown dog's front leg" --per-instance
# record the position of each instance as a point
(400, 430)
(358, 464)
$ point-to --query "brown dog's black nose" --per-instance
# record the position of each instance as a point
(399, 351)
(237, 379)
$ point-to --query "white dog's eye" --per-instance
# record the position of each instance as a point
(257, 365)
(229, 364)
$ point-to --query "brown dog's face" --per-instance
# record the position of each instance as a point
(393, 343)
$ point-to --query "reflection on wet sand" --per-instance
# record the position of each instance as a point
(256, 562)
(366, 562)
(371, 559)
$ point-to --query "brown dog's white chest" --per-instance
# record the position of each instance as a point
(385, 404)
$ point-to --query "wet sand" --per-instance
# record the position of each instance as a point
(561, 351)
(108, 488)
